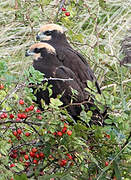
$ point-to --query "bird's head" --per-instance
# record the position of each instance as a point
(38, 49)
(50, 31)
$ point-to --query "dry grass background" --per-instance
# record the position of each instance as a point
(99, 42)
(20, 21)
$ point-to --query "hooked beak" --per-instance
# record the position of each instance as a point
(42, 37)
(37, 37)
(29, 53)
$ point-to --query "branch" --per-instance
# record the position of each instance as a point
(57, 79)
(21, 121)
(18, 86)
(21, 145)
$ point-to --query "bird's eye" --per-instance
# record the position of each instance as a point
(36, 50)
(47, 33)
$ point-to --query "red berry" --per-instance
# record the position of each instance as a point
(39, 117)
(51, 157)
(67, 14)
(31, 107)
(22, 152)
(27, 134)
(54, 133)
(11, 179)
(63, 162)
(14, 133)
(27, 110)
(41, 154)
(12, 165)
(17, 119)
(37, 156)
(21, 159)
(69, 156)
(9, 141)
(35, 161)
(65, 124)
(11, 116)
(14, 151)
(63, 9)
(13, 155)
(19, 131)
(64, 129)
(1, 86)
(59, 133)
(18, 137)
(19, 115)
(106, 163)
(34, 150)
(42, 173)
(32, 154)
(38, 111)
(3, 115)
(23, 116)
(69, 133)
(26, 157)
(21, 101)
(27, 164)
(107, 136)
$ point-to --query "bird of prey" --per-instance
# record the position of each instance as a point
(46, 61)
(54, 35)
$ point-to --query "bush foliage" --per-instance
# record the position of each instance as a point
(42, 145)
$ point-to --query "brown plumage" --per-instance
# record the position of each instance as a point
(55, 36)
(46, 61)
(126, 50)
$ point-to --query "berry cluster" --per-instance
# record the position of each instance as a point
(34, 156)
(28, 156)
(63, 131)
(66, 13)
(63, 162)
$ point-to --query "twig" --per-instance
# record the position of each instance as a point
(57, 79)
(18, 86)
(21, 145)
(127, 142)
(114, 84)
(35, 130)
(21, 121)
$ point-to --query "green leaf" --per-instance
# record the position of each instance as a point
(67, 177)
(108, 121)
(54, 103)
(21, 177)
(117, 170)
(3, 67)
(98, 97)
